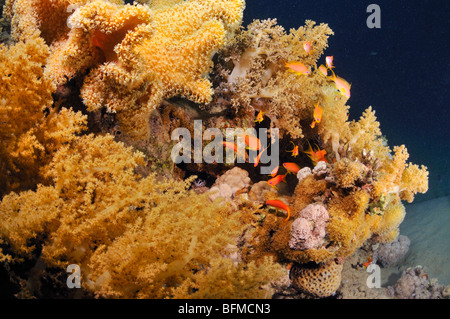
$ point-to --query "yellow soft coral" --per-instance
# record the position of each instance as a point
(259, 80)
(366, 135)
(48, 17)
(138, 55)
(36, 214)
(180, 50)
(133, 237)
(401, 178)
(32, 130)
(334, 127)
(347, 172)
(102, 34)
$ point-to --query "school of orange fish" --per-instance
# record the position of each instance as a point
(316, 155)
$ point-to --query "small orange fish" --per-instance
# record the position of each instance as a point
(329, 61)
(342, 85)
(234, 147)
(230, 145)
(260, 117)
(291, 167)
(276, 180)
(369, 261)
(294, 151)
(252, 142)
(274, 171)
(317, 115)
(257, 158)
(317, 155)
(307, 47)
(323, 69)
(298, 68)
(281, 205)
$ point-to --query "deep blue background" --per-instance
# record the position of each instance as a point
(406, 81)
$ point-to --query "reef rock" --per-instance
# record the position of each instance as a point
(414, 284)
(229, 183)
(389, 254)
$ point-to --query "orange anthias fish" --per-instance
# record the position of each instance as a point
(281, 205)
(343, 86)
(316, 156)
(317, 115)
(257, 158)
(234, 147)
(298, 68)
(252, 142)
(329, 62)
(276, 180)
(307, 47)
(369, 261)
(294, 151)
(291, 167)
(274, 171)
(230, 145)
(260, 117)
(323, 69)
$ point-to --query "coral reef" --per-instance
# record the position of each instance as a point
(415, 284)
(260, 191)
(391, 253)
(308, 229)
(317, 280)
(258, 79)
(161, 241)
(229, 183)
(91, 94)
(33, 127)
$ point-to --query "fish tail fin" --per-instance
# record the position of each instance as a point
(334, 75)
(288, 214)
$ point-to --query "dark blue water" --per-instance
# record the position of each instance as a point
(402, 69)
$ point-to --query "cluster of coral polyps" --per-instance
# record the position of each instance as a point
(334, 212)
(132, 56)
(159, 65)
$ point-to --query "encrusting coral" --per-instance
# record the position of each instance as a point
(308, 229)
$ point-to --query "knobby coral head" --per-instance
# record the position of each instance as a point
(309, 228)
